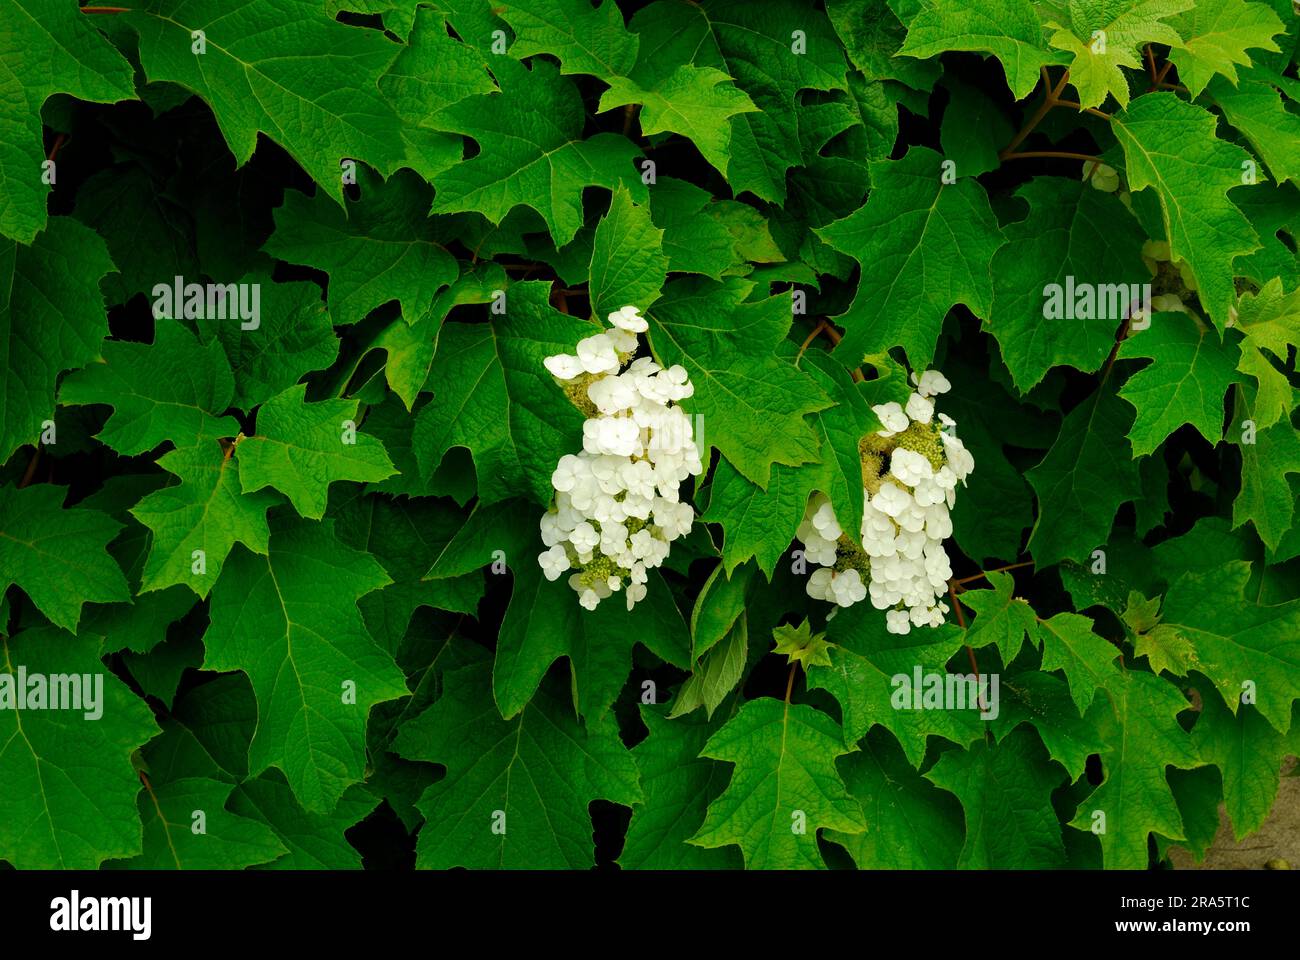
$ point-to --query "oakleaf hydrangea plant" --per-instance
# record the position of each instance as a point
(685, 434)
(910, 472)
(617, 504)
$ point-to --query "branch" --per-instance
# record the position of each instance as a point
(1058, 154)
(983, 574)
(1160, 77)
(1078, 106)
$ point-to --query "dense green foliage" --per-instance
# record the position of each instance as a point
(300, 544)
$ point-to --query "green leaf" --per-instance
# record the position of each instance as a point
(314, 841)
(1171, 145)
(1083, 479)
(738, 381)
(696, 102)
(433, 71)
(58, 556)
(1242, 647)
(376, 249)
(1199, 794)
(1074, 231)
(173, 389)
(1248, 752)
(1005, 791)
(784, 786)
(405, 539)
(585, 39)
(678, 785)
(516, 791)
(973, 131)
(755, 46)
(1216, 36)
(1186, 383)
(218, 719)
(720, 602)
(839, 430)
(696, 237)
(1044, 702)
(1256, 108)
(873, 676)
(717, 673)
(544, 622)
(301, 448)
(800, 645)
(532, 151)
(872, 34)
(47, 49)
(628, 266)
(286, 70)
(1265, 498)
(205, 512)
(1138, 725)
(290, 621)
(1271, 322)
(911, 824)
(410, 347)
(51, 319)
(997, 506)
(1105, 35)
(1000, 618)
(493, 396)
(147, 236)
(1071, 646)
(923, 246)
(227, 842)
(1009, 30)
(757, 522)
(158, 672)
(69, 786)
(1164, 646)
(294, 337)
(761, 522)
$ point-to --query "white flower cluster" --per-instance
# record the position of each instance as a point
(910, 473)
(617, 506)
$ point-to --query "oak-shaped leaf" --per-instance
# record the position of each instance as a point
(1137, 720)
(290, 621)
(69, 797)
(47, 48)
(516, 792)
(923, 245)
(58, 556)
(301, 448)
(52, 319)
(784, 786)
(738, 379)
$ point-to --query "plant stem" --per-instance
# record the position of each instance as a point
(956, 605)
(821, 326)
(1078, 106)
(789, 683)
(983, 574)
(1058, 154)
(31, 468)
(1050, 94)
